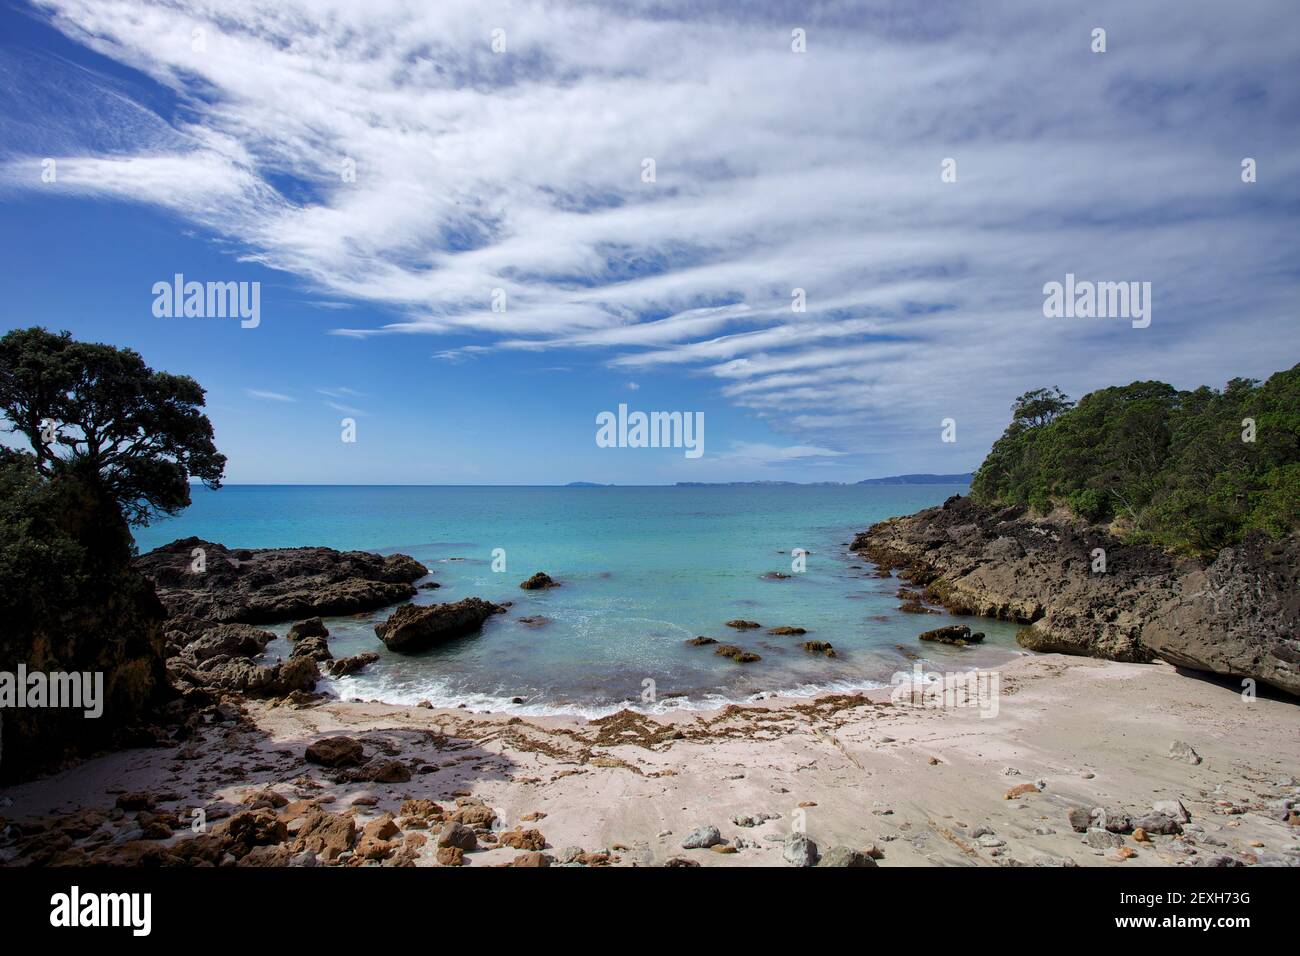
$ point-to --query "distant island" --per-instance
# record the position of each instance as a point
(587, 484)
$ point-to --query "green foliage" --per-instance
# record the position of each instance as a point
(1172, 468)
(99, 414)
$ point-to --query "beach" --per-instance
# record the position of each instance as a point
(904, 785)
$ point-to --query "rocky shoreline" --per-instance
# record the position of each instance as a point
(251, 766)
(1079, 590)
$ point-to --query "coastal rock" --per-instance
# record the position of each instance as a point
(278, 584)
(335, 752)
(312, 627)
(539, 581)
(350, 665)
(1102, 839)
(701, 837)
(1237, 614)
(701, 641)
(819, 647)
(1173, 809)
(458, 836)
(523, 839)
(742, 625)
(787, 631)
(958, 634)
(737, 654)
(845, 856)
(381, 770)
(227, 640)
(413, 628)
(798, 850)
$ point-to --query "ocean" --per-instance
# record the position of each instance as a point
(642, 570)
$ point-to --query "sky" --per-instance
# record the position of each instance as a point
(460, 248)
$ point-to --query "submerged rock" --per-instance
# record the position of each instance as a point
(958, 634)
(737, 654)
(742, 625)
(539, 581)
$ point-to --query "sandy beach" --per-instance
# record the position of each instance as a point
(910, 786)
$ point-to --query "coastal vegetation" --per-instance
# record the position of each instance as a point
(1189, 471)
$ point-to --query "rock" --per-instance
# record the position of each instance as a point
(1102, 839)
(535, 620)
(1080, 819)
(478, 815)
(819, 647)
(1116, 821)
(381, 770)
(326, 835)
(743, 625)
(798, 850)
(1173, 809)
(531, 859)
(335, 752)
(701, 641)
(701, 838)
(723, 848)
(312, 627)
(1140, 835)
(382, 828)
(350, 665)
(450, 856)
(736, 654)
(1020, 790)
(539, 581)
(412, 628)
(787, 631)
(459, 836)
(990, 840)
(280, 584)
(317, 648)
(1235, 614)
(958, 634)
(226, 640)
(135, 800)
(1179, 750)
(523, 839)
(844, 856)
(1158, 823)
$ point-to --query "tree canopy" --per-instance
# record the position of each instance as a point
(99, 414)
(1192, 471)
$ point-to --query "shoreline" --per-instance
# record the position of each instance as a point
(914, 786)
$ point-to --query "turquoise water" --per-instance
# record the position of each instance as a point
(643, 569)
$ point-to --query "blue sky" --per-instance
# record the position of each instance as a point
(214, 146)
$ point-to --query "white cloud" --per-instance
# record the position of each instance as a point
(775, 171)
(268, 396)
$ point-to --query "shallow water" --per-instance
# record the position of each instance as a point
(642, 570)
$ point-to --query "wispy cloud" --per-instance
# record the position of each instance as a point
(500, 196)
(268, 396)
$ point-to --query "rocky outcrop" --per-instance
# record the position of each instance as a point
(1078, 590)
(206, 580)
(205, 655)
(413, 628)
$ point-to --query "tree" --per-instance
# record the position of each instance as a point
(98, 414)
(1040, 406)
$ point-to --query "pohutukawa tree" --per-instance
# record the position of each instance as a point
(98, 414)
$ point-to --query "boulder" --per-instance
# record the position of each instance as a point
(701, 838)
(737, 654)
(798, 850)
(459, 836)
(742, 625)
(312, 627)
(335, 752)
(350, 665)
(845, 856)
(412, 628)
